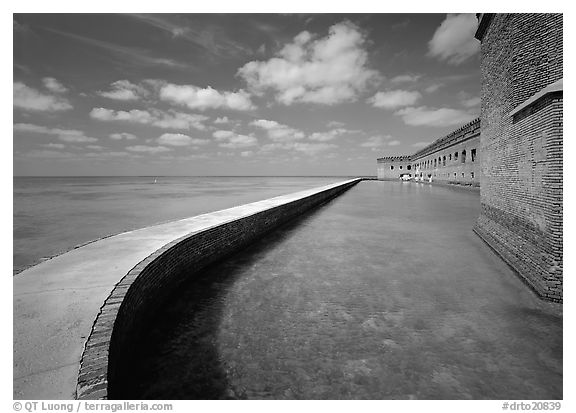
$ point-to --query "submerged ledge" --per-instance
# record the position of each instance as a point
(65, 308)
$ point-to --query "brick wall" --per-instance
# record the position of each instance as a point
(521, 167)
(392, 167)
(125, 312)
(452, 159)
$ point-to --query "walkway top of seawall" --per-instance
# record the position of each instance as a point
(57, 302)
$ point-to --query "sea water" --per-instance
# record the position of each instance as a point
(55, 214)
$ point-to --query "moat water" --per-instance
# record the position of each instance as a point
(383, 293)
(55, 214)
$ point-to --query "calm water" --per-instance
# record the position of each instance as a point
(53, 215)
(383, 293)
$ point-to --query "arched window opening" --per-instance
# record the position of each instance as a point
(443, 161)
(450, 157)
(409, 167)
(473, 155)
(463, 156)
(472, 175)
(400, 167)
(456, 156)
(391, 167)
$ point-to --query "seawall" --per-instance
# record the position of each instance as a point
(76, 314)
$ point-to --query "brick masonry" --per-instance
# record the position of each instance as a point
(123, 316)
(452, 159)
(521, 176)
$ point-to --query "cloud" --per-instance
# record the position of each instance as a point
(229, 139)
(124, 90)
(160, 119)
(394, 99)
(66, 135)
(405, 79)
(178, 139)
(30, 99)
(55, 145)
(376, 142)
(327, 136)
(433, 87)
(335, 124)
(278, 132)
(327, 71)
(123, 135)
(312, 148)
(222, 120)
(454, 40)
(211, 38)
(246, 153)
(424, 116)
(147, 149)
(95, 147)
(471, 102)
(198, 98)
(53, 85)
(420, 144)
(130, 55)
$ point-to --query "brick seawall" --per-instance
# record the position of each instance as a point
(75, 316)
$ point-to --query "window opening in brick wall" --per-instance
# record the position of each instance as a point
(472, 175)
(400, 167)
(391, 167)
(443, 161)
(463, 156)
(409, 167)
(456, 156)
(473, 155)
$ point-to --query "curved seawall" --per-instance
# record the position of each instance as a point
(76, 314)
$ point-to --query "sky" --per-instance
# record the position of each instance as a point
(236, 94)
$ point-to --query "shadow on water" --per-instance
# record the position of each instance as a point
(178, 357)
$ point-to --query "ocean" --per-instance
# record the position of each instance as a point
(55, 214)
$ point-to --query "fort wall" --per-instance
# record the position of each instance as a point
(452, 159)
(521, 145)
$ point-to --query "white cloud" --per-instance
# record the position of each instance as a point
(394, 99)
(178, 139)
(327, 136)
(123, 135)
(198, 98)
(53, 85)
(471, 102)
(313, 148)
(95, 147)
(30, 99)
(375, 142)
(229, 139)
(124, 90)
(326, 71)
(222, 120)
(147, 149)
(246, 153)
(55, 145)
(424, 116)
(335, 124)
(454, 40)
(420, 144)
(433, 87)
(66, 135)
(160, 119)
(405, 79)
(277, 131)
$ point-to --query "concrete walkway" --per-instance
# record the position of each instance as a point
(57, 301)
